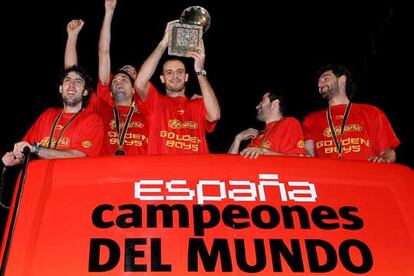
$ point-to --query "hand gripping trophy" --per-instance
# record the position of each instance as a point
(187, 34)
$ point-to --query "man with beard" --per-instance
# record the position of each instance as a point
(177, 124)
(281, 136)
(125, 128)
(347, 130)
(64, 132)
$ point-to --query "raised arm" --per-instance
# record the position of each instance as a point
(211, 104)
(149, 66)
(71, 55)
(104, 42)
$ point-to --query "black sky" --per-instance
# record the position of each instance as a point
(250, 46)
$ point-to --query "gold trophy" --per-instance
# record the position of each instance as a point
(187, 34)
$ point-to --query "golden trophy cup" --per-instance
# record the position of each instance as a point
(187, 34)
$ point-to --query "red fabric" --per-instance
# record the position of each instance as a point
(240, 201)
(104, 92)
(284, 136)
(367, 132)
(84, 133)
(136, 141)
(177, 124)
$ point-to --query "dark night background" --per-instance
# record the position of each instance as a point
(250, 46)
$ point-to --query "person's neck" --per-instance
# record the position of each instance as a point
(176, 94)
(123, 103)
(274, 118)
(337, 100)
(72, 109)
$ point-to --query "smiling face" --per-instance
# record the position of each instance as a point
(174, 77)
(122, 89)
(328, 85)
(72, 89)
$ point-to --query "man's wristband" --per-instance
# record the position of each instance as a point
(36, 148)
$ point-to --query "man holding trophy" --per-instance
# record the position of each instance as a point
(177, 124)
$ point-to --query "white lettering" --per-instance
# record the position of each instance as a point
(200, 191)
(189, 193)
(139, 189)
(217, 190)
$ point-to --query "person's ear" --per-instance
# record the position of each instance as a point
(85, 92)
(162, 78)
(342, 80)
(275, 103)
(60, 89)
(186, 77)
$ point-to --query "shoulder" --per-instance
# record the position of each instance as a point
(290, 122)
(315, 114)
(90, 115)
(51, 111)
(196, 100)
(362, 107)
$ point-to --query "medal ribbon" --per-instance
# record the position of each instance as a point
(338, 143)
(121, 136)
(55, 122)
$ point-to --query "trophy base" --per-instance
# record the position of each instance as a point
(184, 38)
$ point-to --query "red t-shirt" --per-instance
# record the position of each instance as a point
(284, 136)
(136, 138)
(367, 132)
(177, 124)
(84, 133)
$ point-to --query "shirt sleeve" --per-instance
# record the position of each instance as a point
(307, 127)
(208, 126)
(385, 136)
(152, 99)
(103, 92)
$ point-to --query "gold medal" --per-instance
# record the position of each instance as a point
(119, 152)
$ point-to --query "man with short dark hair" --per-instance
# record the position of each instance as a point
(177, 124)
(281, 136)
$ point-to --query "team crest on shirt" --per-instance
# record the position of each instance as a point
(65, 141)
(300, 144)
(135, 124)
(351, 127)
(266, 144)
(45, 141)
(86, 144)
(177, 124)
